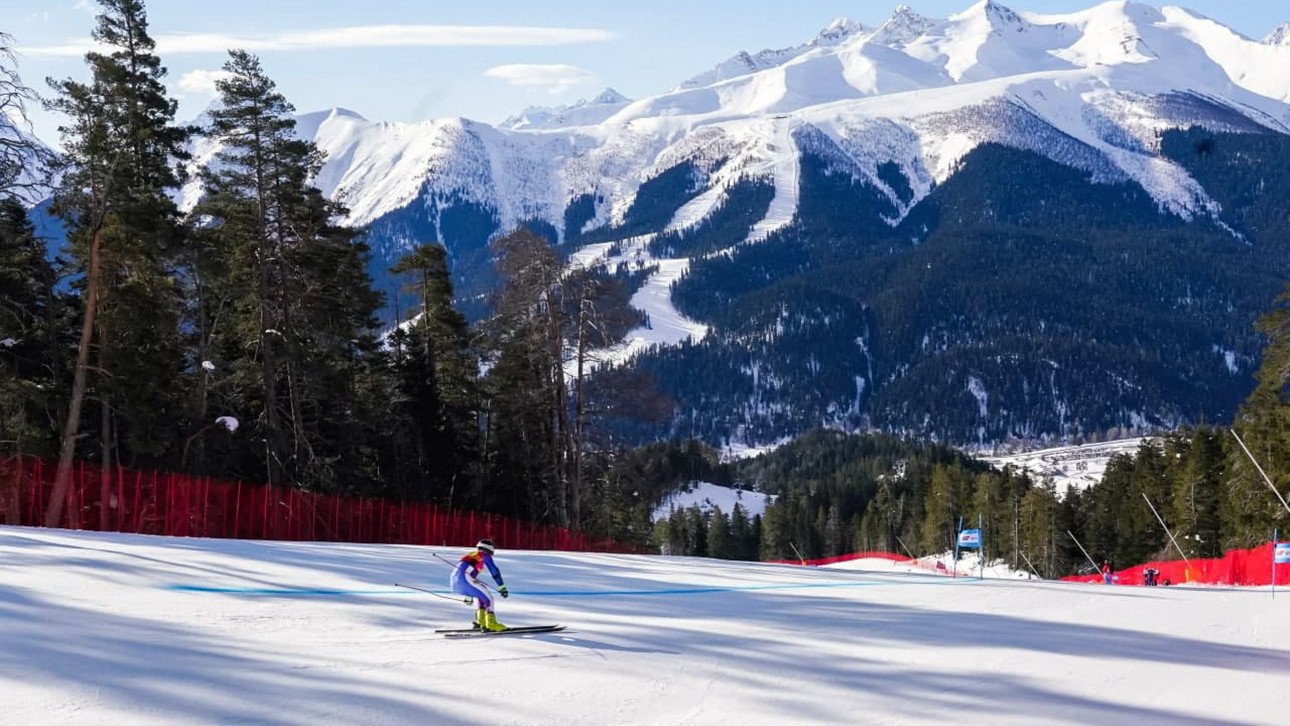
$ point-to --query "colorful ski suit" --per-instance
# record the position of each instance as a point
(465, 577)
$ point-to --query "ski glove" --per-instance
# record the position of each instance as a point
(502, 591)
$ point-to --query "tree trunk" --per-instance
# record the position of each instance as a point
(105, 437)
(560, 432)
(54, 512)
(575, 480)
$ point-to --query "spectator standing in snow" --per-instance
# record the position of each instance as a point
(465, 581)
(1149, 576)
(1106, 571)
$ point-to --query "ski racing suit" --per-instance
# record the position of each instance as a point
(465, 577)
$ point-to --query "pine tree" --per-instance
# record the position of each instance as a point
(301, 302)
(990, 498)
(741, 534)
(30, 320)
(1040, 529)
(1196, 486)
(439, 374)
(1249, 511)
(527, 430)
(120, 146)
(720, 542)
(833, 534)
(941, 509)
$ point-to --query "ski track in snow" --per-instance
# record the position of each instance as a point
(94, 631)
(785, 170)
(666, 324)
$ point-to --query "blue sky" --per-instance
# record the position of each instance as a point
(395, 60)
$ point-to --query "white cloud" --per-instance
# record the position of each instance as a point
(359, 36)
(555, 76)
(201, 82)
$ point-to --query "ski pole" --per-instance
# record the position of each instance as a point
(428, 592)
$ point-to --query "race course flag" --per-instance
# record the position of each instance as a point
(970, 539)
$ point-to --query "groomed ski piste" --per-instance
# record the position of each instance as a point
(127, 629)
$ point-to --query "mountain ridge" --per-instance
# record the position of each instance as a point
(751, 189)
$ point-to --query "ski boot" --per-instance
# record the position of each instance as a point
(491, 624)
(480, 620)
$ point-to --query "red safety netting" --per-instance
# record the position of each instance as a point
(1236, 567)
(122, 500)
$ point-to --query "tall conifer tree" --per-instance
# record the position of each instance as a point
(303, 303)
(121, 145)
(439, 372)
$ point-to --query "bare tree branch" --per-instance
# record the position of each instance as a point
(25, 163)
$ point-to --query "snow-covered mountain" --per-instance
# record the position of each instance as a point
(580, 113)
(1280, 36)
(1090, 89)
(743, 63)
(891, 113)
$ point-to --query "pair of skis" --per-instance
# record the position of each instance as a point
(474, 632)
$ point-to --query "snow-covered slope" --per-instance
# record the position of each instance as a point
(705, 496)
(120, 629)
(1069, 467)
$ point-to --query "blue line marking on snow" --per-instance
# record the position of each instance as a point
(696, 590)
(717, 588)
(282, 591)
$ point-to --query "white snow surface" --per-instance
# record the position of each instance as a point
(92, 632)
(706, 496)
(1070, 467)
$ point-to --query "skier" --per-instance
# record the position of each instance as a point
(1149, 576)
(464, 582)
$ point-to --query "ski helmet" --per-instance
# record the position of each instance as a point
(486, 545)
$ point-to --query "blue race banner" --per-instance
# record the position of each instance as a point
(1281, 553)
(970, 539)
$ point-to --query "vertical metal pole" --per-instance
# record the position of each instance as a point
(955, 571)
(980, 548)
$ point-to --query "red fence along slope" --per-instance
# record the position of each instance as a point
(1236, 567)
(185, 506)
